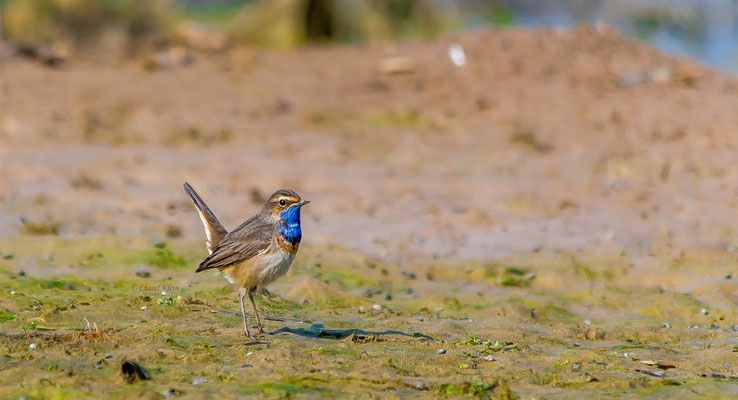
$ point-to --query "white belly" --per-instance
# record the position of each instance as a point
(273, 266)
(260, 270)
(228, 278)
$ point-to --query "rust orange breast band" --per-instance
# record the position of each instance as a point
(286, 246)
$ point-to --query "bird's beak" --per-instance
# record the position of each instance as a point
(302, 203)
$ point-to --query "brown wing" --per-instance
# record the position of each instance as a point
(241, 244)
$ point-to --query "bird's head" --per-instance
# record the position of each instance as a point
(284, 202)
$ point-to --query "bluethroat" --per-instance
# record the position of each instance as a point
(259, 251)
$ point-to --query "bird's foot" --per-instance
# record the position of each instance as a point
(250, 336)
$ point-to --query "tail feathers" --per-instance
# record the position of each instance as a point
(214, 231)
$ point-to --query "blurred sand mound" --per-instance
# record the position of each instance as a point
(547, 139)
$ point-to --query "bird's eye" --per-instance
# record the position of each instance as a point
(282, 202)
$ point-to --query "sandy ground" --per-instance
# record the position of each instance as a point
(533, 145)
(546, 149)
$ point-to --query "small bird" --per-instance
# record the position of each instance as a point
(259, 251)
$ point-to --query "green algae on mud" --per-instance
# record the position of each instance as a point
(344, 324)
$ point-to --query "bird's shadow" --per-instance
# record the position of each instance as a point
(317, 331)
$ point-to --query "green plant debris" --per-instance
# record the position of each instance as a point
(165, 258)
(585, 272)
(6, 316)
(530, 141)
(516, 277)
(439, 338)
(39, 228)
(473, 388)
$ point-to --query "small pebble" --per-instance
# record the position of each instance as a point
(171, 393)
(421, 386)
(704, 311)
(489, 358)
(667, 325)
(362, 310)
(576, 344)
(587, 322)
(441, 351)
(143, 272)
(576, 366)
(420, 318)
(198, 381)
(144, 308)
(735, 328)
(12, 292)
(97, 367)
(304, 301)
(35, 308)
(163, 292)
(108, 355)
(249, 353)
(457, 55)
(377, 307)
(32, 346)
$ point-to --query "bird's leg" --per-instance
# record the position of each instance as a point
(241, 295)
(256, 312)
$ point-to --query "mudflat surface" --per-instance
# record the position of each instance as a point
(563, 203)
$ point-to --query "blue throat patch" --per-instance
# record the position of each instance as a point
(289, 225)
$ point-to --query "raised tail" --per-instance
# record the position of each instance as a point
(213, 229)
